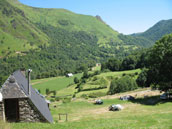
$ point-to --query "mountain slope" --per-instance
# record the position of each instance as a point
(157, 31)
(17, 33)
(70, 21)
(31, 28)
(62, 41)
(56, 41)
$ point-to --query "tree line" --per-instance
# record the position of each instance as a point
(156, 65)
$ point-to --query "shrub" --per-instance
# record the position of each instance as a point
(57, 98)
(142, 78)
(47, 91)
(123, 84)
(54, 93)
(85, 74)
(80, 88)
(74, 95)
(78, 85)
(123, 74)
(76, 80)
(52, 100)
(136, 73)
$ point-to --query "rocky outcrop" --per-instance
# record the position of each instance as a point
(100, 19)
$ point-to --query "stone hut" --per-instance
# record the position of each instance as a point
(21, 103)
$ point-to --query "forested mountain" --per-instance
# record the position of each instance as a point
(157, 31)
(56, 41)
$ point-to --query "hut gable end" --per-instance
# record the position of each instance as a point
(11, 89)
(21, 102)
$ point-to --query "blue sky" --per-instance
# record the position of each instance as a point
(125, 16)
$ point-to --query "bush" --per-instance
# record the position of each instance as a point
(80, 88)
(78, 85)
(52, 100)
(136, 73)
(54, 93)
(47, 91)
(123, 74)
(123, 84)
(142, 78)
(74, 95)
(57, 99)
(76, 80)
(85, 74)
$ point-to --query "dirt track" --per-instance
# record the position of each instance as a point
(136, 94)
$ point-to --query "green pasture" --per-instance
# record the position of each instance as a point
(83, 114)
(65, 86)
(56, 83)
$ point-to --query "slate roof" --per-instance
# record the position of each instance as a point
(36, 98)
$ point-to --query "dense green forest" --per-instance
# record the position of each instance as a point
(67, 53)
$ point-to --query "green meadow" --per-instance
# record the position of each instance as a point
(56, 83)
(83, 114)
(142, 113)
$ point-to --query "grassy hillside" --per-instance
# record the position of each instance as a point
(157, 31)
(54, 41)
(17, 33)
(99, 85)
(92, 85)
(84, 114)
(56, 83)
(67, 20)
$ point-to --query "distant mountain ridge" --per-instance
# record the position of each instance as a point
(24, 32)
(157, 31)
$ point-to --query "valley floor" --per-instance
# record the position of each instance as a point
(146, 111)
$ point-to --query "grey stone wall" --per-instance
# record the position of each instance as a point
(1, 110)
(28, 112)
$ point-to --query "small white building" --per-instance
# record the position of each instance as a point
(69, 75)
